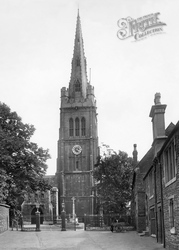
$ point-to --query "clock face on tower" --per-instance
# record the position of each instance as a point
(77, 149)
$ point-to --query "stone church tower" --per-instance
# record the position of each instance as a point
(78, 138)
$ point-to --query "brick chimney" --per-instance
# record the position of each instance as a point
(157, 114)
(135, 153)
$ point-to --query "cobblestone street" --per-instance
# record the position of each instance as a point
(76, 240)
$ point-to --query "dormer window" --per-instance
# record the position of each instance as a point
(77, 86)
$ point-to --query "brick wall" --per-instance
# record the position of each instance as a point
(172, 190)
(141, 212)
(139, 202)
(4, 218)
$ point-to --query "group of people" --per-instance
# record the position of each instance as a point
(116, 225)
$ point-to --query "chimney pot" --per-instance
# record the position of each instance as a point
(157, 114)
(157, 98)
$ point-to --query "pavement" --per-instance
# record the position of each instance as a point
(50, 239)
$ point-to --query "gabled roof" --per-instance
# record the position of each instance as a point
(144, 164)
(175, 129)
(169, 129)
(146, 161)
(171, 133)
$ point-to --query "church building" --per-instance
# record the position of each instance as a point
(77, 149)
(78, 137)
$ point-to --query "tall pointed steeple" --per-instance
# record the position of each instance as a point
(78, 130)
(78, 82)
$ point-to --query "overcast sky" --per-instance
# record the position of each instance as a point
(36, 48)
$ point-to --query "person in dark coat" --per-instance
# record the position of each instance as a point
(112, 224)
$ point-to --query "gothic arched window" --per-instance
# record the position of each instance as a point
(71, 127)
(77, 165)
(77, 127)
(83, 126)
(77, 86)
(78, 62)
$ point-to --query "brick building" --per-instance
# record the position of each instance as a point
(168, 160)
(164, 176)
(153, 176)
(157, 175)
(138, 191)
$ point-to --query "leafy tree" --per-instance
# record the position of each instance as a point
(22, 162)
(113, 182)
(3, 185)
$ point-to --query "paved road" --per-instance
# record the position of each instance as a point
(76, 240)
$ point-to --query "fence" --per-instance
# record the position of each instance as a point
(55, 222)
(86, 222)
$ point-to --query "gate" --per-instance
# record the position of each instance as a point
(74, 222)
(97, 222)
(103, 222)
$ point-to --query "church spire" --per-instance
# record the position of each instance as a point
(78, 81)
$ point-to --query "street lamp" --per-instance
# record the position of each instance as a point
(63, 206)
(37, 206)
(37, 215)
(63, 215)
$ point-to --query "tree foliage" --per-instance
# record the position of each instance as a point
(22, 162)
(113, 181)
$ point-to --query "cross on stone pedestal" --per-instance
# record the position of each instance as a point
(73, 212)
